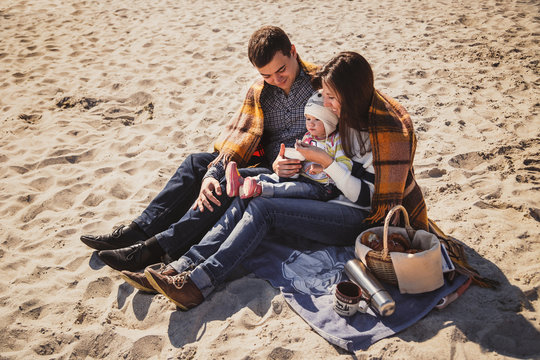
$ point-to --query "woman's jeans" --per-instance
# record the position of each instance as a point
(240, 230)
(169, 216)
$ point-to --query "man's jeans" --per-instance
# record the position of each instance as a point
(169, 216)
(245, 224)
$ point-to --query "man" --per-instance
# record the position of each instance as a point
(176, 218)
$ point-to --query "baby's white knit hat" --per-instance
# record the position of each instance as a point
(315, 107)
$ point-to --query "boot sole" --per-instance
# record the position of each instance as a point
(138, 286)
(100, 245)
(119, 267)
(97, 245)
(155, 285)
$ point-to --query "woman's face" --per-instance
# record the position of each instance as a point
(331, 99)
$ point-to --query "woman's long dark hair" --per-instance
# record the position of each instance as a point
(351, 77)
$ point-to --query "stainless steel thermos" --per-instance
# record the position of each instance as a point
(372, 289)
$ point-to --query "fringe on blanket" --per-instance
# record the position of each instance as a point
(455, 250)
(378, 215)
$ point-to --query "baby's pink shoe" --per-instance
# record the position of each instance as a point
(234, 179)
(250, 188)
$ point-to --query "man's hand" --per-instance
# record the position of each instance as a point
(284, 167)
(206, 195)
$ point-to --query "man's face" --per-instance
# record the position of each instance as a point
(281, 71)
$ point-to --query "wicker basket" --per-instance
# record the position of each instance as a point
(380, 262)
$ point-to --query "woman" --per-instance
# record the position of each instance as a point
(376, 131)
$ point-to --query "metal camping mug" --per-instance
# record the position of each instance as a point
(348, 299)
(372, 289)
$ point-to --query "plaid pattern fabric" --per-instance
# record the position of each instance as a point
(242, 135)
(284, 120)
(393, 144)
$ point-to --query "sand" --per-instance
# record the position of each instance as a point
(100, 101)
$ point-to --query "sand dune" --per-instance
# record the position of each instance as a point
(100, 101)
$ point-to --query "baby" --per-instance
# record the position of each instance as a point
(313, 182)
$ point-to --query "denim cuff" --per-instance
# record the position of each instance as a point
(163, 243)
(142, 223)
(203, 282)
(182, 264)
(267, 189)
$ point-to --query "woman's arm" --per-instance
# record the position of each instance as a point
(356, 184)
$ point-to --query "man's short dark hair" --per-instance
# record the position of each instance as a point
(265, 43)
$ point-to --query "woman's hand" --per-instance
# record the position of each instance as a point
(284, 167)
(314, 154)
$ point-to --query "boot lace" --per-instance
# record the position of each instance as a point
(135, 249)
(118, 231)
(180, 279)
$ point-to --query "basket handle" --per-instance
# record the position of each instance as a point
(387, 223)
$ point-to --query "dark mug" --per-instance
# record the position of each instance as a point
(348, 299)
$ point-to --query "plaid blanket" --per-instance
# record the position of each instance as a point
(393, 144)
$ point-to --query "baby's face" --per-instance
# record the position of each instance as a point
(315, 127)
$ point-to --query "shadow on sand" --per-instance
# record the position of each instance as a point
(489, 317)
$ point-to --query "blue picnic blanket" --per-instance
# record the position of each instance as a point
(306, 277)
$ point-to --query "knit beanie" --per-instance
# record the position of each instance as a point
(315, 107)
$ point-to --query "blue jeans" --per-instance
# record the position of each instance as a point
(169, 216)
(300, 188)
(245, 224)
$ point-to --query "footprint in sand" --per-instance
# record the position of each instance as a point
(30, 311)
(175, 106)
(119, 113)
(119, 191)
(30, 118)
(146, 83)
(146, 347)
(19, 169)
(15, 339)
(99, 173)
(102, 287)
(467, 161)
(93, 200)
(140, 98)
(76, 263)
(31, 213)
(281, 353)
(68, 102)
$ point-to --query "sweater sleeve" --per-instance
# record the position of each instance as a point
(356, 184)
(216, 171)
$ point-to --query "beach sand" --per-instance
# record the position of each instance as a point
(100, 101)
